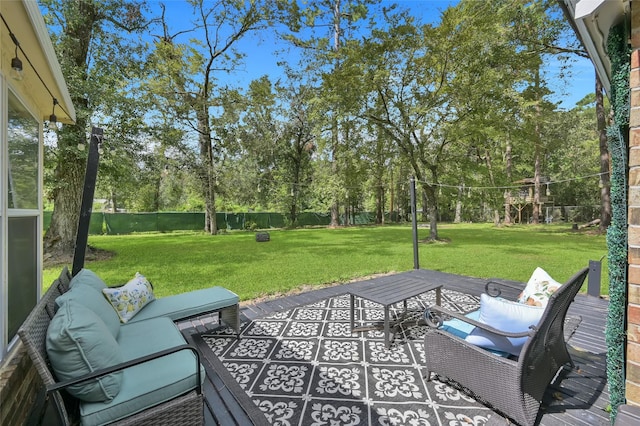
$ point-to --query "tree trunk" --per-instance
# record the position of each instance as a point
(536, 168)
(426, 211)
(337, 32)
(458, 216)
(335, 209)
(605, 187)
(207, 171)
(60, 239)
(431, 196)
(114, 201)
(536, 188)
(379, 201)
(293, 212)
(391, 196)
(297, 171)
(507, 194)
(489, 163)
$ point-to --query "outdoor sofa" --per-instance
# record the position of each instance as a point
(99, 370)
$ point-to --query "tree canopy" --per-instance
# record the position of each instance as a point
(367, 96)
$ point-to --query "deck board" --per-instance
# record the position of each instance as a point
(570, 406)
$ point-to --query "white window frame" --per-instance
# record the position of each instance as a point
(5, 88)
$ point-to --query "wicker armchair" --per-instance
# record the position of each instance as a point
(513, 387)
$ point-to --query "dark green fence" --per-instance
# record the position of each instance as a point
(95, 224)
(126, 223)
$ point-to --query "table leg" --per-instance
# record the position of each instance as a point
(439, 296)
(352, 312)
(387, 341)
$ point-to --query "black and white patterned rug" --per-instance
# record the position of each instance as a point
(304, 367)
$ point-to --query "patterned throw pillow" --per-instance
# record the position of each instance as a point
(539, 288)
(129, 299)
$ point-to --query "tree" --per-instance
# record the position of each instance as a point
(97, 62)
(298, 145)
(425, 86)
(323, 56)
(186, 77)
(542, 33)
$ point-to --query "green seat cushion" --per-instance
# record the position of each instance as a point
(96, 302)
(189, 304)
(89, 278)
(77, 343)
(149, 384)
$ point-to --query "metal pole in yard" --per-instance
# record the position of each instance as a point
(414, 222)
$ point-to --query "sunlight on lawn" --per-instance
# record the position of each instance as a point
(179, 262)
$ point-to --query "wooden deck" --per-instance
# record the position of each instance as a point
(581, 397)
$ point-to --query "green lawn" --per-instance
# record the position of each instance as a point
(179, 262)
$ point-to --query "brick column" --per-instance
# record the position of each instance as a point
(632, 383)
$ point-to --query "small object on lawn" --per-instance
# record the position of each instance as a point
(262, 236)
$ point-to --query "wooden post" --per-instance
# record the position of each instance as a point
(90, 176)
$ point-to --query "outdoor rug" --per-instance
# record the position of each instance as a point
(304, 367)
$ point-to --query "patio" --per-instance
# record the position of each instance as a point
(580, 399)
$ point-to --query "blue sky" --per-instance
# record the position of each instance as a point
(260, 59)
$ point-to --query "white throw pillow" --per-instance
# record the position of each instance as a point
(504, 315)
(129, 299)
(539, 288)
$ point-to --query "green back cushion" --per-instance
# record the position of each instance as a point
(78, 342)
(87, 277)
(96, 302)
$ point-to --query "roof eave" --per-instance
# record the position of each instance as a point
(592, 19)
(42, 33)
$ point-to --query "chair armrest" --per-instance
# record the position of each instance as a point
(434, 315)
(131, 363)
(493, 287)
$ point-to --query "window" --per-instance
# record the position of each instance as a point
(22, 271)
(23, 186)
(22, 136)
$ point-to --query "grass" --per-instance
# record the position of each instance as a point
(179, 262)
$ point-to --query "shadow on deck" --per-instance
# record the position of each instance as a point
(580, 398)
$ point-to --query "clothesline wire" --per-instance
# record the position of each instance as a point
(460, 186)
(553, 182)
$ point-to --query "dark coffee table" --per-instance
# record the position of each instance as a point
(388, 291)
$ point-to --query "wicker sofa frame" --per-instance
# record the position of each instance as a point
(513, 387)
(185, 409)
